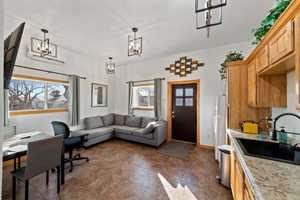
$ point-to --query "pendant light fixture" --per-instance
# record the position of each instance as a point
(209, 13)
(110, 66)
(44, 46)
(135, 44)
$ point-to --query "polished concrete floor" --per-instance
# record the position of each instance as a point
(122, 170)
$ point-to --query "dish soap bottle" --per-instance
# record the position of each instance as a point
(283, 136)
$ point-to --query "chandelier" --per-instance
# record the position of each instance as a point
(135, 44)
(110, 66)
(44, 46)
(210, 11)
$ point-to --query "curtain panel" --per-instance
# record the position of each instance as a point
(74, 105)
(157, 97)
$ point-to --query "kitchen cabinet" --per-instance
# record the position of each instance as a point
(262, 59)
(237, 97)
(240, 187)
(281, 44)
(297, 59)
(266, 91)
(252, 88)
(277, 54)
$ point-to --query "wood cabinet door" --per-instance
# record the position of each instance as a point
(248, 192)
(282, 43)
(232, 173)
(239, 184)
(252, 83)
(297, 59)
(262, 59)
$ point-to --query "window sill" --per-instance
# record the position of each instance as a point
(143, 108)
(32, 112)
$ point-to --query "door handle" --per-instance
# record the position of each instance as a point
(173, 116)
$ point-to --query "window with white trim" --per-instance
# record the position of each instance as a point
(143, 97)
(27, 94)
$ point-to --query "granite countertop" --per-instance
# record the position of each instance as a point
(270, 180)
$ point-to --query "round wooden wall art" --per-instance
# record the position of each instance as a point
(184, 66)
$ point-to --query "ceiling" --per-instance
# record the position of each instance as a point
(100, 27)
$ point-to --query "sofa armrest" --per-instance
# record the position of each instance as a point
(160, 132)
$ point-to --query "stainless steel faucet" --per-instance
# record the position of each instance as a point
(274, 135)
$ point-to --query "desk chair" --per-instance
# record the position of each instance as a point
(70, 143)
(42, 156)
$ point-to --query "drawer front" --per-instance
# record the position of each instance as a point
(282, 43)
(262, 59)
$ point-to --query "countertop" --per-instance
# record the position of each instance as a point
(270, 180)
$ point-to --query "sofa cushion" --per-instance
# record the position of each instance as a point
(108, 119)
(125, 130)
(97, 132)
(140, 133)
(133, 121)
(147, 120)
(120, 119)
(93, 122)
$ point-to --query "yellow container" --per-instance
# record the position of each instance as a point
(250, 127)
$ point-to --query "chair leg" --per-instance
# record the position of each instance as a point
(71, 160)
(47, 177)
(58, 180)
(14, 188)
(26, 189)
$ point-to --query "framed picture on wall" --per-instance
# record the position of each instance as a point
(99, 95)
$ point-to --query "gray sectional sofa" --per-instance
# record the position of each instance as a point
(144, 130)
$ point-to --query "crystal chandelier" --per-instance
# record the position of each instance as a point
(211, 12)
(44, 46)
(110, 66)
(134, 44)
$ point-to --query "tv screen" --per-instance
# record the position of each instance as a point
(11, 48)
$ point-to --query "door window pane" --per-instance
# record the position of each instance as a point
(179, 92)
(179, 102)
(26, 95)
(189, 102)
(57, 96)
(189, 92)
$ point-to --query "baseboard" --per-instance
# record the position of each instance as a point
(200, 146)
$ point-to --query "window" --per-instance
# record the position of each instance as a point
(37, 94)
(143, 97)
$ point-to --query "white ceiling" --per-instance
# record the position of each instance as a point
(100, 27)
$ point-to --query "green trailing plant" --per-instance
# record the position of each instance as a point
(231, 56)
(270, 20)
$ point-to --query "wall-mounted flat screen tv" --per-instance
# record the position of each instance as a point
(11, 48)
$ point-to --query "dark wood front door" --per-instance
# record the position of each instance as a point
(184, 113)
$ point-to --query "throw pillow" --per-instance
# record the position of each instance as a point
(147, 120)
(93, 122)
(120, 120)
(150, 127)
(108, 119)
(133, 121)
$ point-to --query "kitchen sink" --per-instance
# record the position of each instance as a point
(268, 150)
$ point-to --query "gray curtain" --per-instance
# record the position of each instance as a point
(157, 97)
(130, 96)
(74, 106)
(5, 105)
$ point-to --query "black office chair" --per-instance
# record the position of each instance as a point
(70, 143)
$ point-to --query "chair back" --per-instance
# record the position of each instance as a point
(61, 128)
(43, 155)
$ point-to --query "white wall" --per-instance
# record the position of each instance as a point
(291, 123)
(210, 84)
(75, 63)
(1, 90)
